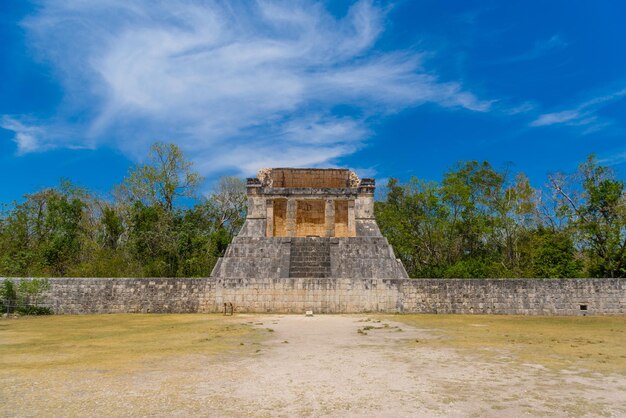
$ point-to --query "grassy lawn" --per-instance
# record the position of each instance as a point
(123, 342)
(597, 344)
(211, 365)
(118, 342)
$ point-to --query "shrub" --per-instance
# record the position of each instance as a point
(33, 310)
(8, 296)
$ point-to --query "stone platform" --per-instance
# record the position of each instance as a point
(314, 257)
(309, 223)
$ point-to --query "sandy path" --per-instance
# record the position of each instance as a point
(327, 368)
(322, 366)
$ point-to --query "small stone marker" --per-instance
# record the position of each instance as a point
(309, 313)
(228, 308)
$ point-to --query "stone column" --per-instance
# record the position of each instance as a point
(269, 214)
(364, 207)
(351, 219)
(329, 213)
(291, 216)
(255, 223)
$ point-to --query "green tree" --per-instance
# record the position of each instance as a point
(43, 235)
(62, 245)
(595, 203)
(165, 177)
(8, 296)
(414, 220)
(554, 255)
(30, 290)
(229, 203)
(470, 191)
(112, 227)
(152, 239)
(475, 223)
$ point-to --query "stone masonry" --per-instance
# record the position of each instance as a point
(310, 242)
(338, 295)
(309, 223)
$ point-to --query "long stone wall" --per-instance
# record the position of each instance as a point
(122, 295)
(339, 295)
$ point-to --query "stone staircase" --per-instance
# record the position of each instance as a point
(310, 257)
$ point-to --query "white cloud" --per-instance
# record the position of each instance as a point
(238, 85)
(557, 117)
(582, 115)
(518, 109)
(26, 137)
(31, 137)
(615, 159)
(541, 48)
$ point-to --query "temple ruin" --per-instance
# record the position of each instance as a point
(310, 243)
(314, 223)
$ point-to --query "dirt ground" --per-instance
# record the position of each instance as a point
(327, 365)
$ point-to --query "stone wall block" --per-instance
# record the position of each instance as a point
(338, 295)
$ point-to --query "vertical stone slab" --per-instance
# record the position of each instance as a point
(292, 207)
(285, 257)
(280, 217)
(364, 208)
(351, 219)
(330, 217)
(342, 229)
(270, 218)
(255, 223)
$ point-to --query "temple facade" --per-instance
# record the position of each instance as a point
(309, 223)
(288, 202)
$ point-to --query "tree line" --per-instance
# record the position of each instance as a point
(477, 222)
(483, 222)
(154, 224)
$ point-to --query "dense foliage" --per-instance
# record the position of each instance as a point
(477, 222)
(481, 222)
(23, 298)
(155, 225)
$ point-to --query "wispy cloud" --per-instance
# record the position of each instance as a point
(26, 137)
(585, 114)
(541, 48)
(30, 136)
(238, 85)
(615, 159)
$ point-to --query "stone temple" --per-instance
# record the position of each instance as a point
(309, 223)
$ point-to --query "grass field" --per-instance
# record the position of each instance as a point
(114, 342)
(597, 344)
(291, 365)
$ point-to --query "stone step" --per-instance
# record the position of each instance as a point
(296, 263)
(310, 257)
(309, 274)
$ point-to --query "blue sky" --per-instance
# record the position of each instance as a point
(391, 89)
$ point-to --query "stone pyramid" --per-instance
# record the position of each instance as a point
(309, 223)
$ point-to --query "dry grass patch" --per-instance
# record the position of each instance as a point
(596, 344)
(119, 342)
